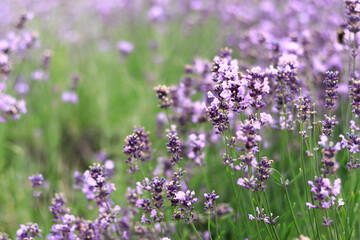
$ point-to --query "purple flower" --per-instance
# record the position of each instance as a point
(324, 192)
(331, 81)
(70, 97)
(352, 15)
(196, 144)
(173, 145)
(261, 216)
(28, 231)
(64, 230)
(125, 47)
(58, 208)
(37, 181)
(210, 202)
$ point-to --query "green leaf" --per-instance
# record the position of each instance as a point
(286, 234)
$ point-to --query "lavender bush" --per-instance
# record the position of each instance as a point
(258, 140)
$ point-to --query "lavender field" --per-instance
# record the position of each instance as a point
(179, 119)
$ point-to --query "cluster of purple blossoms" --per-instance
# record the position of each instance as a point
(325, 193)
(125, 48)
(71, 96)
(96, 187)
(258, 85)
(218, 116)
(4, 236)
(63, 230)
(353, 141)
(162, 93)
(352, 15)
(303, 107)
(37, 181)
(196, 144)
(10, 107)
(328, 161)
(173, 145)
(355, 95)
(353, 164)
(186, 201)
(42, 74)
(257, 183)
(331, 81)
(328, 125)
(103, 158)
(261, 216)
(28, 231)
(58, 208)
(151, 207)
(210, 202)
(248, 134)
(138, 148)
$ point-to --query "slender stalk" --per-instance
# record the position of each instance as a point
(209, 229)
(292, 212)
(194, 228)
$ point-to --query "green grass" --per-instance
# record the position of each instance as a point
(55, 139)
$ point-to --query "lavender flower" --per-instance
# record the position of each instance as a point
(331, 81)
(37, 181)
(186, 200)
(329, 164)
(324, 192)
(4, 236)
(257, 183)
(9, 106)
(261, 216)
(196, 144)
(328, 125)
(353, 164)
(355, 95)
(28, 231)
(58, 208)
(210, 202)
(162, 93)
(64, 230)
(138, 148)
(125, 47)
(173, 146)
(327, 222)
(70, 97)
(352, 15)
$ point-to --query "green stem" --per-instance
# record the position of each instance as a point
(209, 230)
(193, 227)
(292, 212)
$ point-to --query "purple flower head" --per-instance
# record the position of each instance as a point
(210, 202)
(331, 81)
(352, 15)
(125, 47)
(137, 148)
(58, 208)
(9, 106)
(4, 236)
(162, 93)
(196, 144)
(261, 216)
(324, 192)
(327, 222)
(328, 125)
(173, 145)
(70, 97)
(64, 230)
(186, 200)
(37, 180)
(28, 231)
(355, 96)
